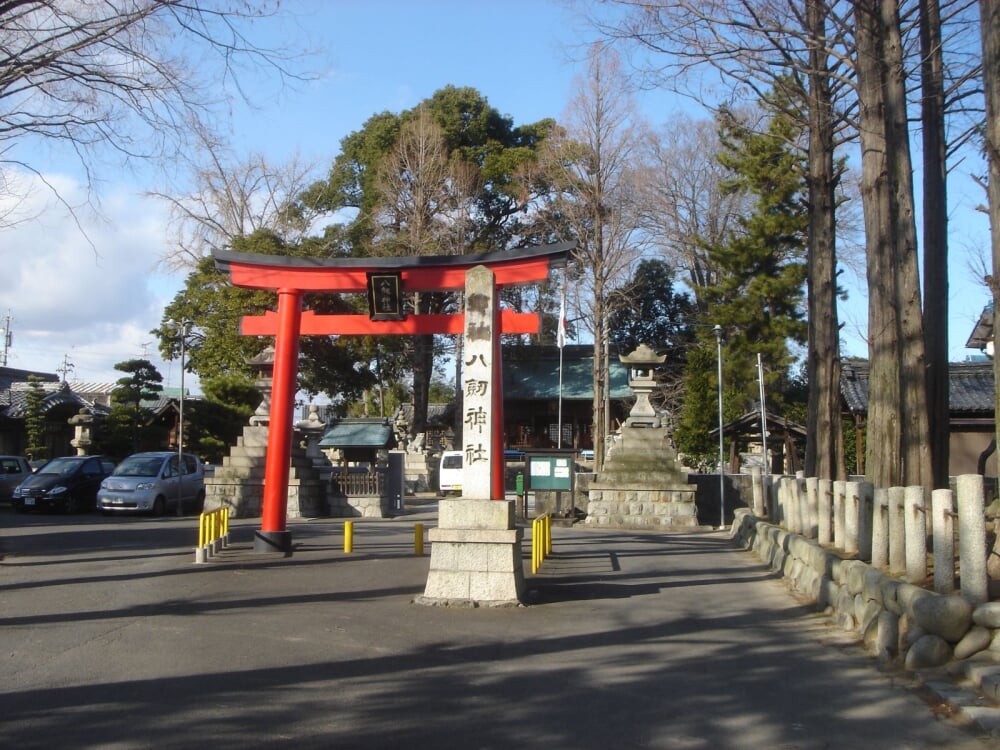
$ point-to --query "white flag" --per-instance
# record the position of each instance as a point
(561, 325)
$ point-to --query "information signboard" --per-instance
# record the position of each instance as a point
(550, 472)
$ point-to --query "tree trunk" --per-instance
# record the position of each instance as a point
(935, 238)
(884, 446)
(990, 31)
(898, 451)
(825, 449)
(915, 432)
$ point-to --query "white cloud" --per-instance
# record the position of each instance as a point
(85, 288)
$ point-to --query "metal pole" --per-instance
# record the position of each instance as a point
(763, 413)
(180, 424)
(722, 459)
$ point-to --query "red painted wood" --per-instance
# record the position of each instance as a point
(361, 325)
(344, 280)
(274, 513)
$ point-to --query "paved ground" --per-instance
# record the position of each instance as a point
(113, 638)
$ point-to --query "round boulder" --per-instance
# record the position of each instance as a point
(928, 652)
(977, 639)
(987, 615)
(946, 616)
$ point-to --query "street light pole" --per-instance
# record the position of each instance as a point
(185, 328)
(722, 463)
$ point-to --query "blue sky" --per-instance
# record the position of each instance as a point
(97, 308)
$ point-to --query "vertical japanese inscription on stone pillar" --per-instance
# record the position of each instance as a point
(478, 426)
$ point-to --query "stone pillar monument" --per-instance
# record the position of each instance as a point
(476, 548)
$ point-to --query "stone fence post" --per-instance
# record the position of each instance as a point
(880, 528)
(838, 513)
(943, 545)
(757, 482)
(897, 531)
(915, 530)
(865, 526)
(852, 501)
(824, 528)
(972, 538)
(812, 504)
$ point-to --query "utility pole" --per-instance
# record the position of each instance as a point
(7, 340)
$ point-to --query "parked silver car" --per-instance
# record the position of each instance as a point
(150, 483)
(13, 469)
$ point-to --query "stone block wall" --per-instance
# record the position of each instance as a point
(642, 508)
(896, 621)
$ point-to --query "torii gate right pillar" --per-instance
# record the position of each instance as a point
(476, 548)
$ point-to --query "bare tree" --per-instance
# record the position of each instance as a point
(425, 203)
(594, 169)
(759, 47)
(120, 76)
(235, 197)
(684, 207)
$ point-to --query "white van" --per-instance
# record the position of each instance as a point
(450, 473)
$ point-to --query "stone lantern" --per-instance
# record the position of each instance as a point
(641, 363)
(81, 427)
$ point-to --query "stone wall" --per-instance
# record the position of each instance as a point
(896, 621)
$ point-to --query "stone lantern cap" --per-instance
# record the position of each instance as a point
(643, 355)
(641, 363)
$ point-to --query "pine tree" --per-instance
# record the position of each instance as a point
(759, 295)
(34, 420)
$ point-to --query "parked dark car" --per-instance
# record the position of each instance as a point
(13, 470)
(68, 483)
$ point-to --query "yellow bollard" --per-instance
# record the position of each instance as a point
(348, 536)
(418, 539)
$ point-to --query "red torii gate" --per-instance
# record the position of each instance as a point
(291, 277)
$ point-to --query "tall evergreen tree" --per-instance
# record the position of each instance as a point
(34, 420)
(758, 298)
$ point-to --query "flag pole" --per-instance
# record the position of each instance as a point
(561, 342)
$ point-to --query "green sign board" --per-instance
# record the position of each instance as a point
(550, 472)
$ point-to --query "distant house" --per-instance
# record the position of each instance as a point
(971, 396)
(61, 402)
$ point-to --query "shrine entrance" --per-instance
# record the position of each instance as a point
(385, 281)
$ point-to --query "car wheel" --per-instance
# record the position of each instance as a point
(72, 505)
(159, 505)
(199, 503)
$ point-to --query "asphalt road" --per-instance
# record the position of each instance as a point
(113, 637)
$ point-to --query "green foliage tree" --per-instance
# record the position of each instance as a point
(34, 420)
(699, 413)
(650, 311)
(329, 365)
(129, 421)
(759, 293)
(213, 423)
(445, 177)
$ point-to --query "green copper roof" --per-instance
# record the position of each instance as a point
(357, 433)
(534, 374)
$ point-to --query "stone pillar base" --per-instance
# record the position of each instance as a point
(475, 555)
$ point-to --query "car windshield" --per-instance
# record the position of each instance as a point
(139, 466)
(59, 466)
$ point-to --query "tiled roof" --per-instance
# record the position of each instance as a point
(14, 400)
(970, 392)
